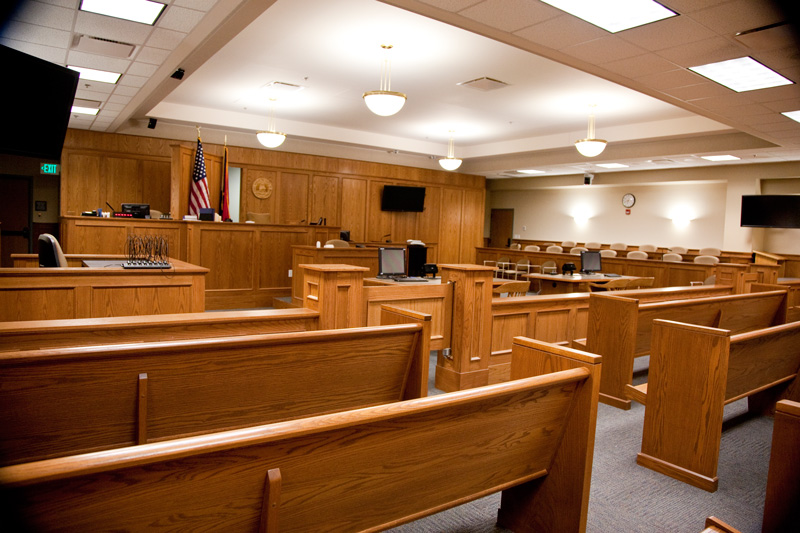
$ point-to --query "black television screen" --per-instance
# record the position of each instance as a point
(591, 261)
(400, 198)
(771, 211)
(42, 96)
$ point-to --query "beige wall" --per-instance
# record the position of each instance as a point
(545, 207)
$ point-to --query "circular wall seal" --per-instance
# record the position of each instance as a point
(262, 188)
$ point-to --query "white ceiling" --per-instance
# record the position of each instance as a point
(652, 110)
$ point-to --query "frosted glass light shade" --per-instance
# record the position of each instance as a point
(449, 163)
(590, 147)
(271, 139)
(384, 103)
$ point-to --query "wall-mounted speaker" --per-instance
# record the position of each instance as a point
(588, 178)
(152, 123)
(178, 74)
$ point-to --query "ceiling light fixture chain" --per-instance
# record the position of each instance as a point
(271, 138)
(590, 146)
(385, 102)
(450, 162)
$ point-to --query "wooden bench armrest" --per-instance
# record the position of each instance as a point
(637, 393)
(715, 525)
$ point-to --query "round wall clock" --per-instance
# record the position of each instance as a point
(628, 200)
(262, 188)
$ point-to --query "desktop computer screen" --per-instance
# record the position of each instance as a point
(590, 261)
(391, 262)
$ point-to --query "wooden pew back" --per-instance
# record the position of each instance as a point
(694, 372)
(71, 400)
(620, 328)
(363, 470)
(42, 334)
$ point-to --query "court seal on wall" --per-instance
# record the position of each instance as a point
(262, 188)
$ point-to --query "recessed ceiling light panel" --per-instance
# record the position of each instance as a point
(742, 74)
(530, 171)
(720, 157)
(794, 115)
(612, 165)
(85, 110)
(96, 75)
(614, 15)
(143, 11)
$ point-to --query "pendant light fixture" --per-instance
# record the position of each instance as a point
(271, 138)
(590, 146)
(450, 162)
(385, 102)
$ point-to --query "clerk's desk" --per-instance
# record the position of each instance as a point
(28, 292)
(566, 283)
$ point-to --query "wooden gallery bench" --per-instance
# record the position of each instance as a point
(63, 401)
(361, 470)
(38, 334)
(619, 328)
(694, 372)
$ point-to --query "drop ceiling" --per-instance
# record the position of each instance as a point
(539, 71)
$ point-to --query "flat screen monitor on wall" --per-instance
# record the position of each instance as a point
(400, 198)
(40, 97)
(771, 211)
(591, 261)
(391, 262)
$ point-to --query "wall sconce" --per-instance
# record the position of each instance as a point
(682, 216)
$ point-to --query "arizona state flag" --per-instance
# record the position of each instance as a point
(223, 197)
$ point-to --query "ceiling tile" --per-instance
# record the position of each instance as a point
(738, 15)
(451, 5)
(111, 64)
(133, 81)
(119, 99)
(788, 125)
(46, 15)
(702, 52)
(32, 33)
(48, 53)
(775, 94)
(671, 79)
(202, 5)
(635, 67)
(603, 50)
(731, 99)
(707, 89)
(689, 6)
(154, 56)
(733, 110)
(61, 3)
(111, 28)
(667, 33)
(776, 59)
(782, 106)
(180, 19)
(109, 106)
(561, 32)
(166, 39)
(125, 90)
(752, 120)
(142, 69)
(509, 15)
(89, 94)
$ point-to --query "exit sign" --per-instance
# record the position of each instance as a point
(50, 168)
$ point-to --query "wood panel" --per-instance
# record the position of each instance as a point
(325, 199)
(428, 220)
(293, 198)
(108, 237)
(156, 184)
(38, 304)
(433, 301)
(379, 223)
(472, 217)
(274, 263)
(141, 300)
(450, 225)
(123, 183)
(80, 183)
(233, 249)
(249, 202)
(354, 215)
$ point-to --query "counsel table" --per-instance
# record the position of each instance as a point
(565, 283)
(32, 293)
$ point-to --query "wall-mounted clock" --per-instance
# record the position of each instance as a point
(628, 200)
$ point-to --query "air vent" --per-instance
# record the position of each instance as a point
(765, 38)
(277, 89)
(103, 47)
(484, 84)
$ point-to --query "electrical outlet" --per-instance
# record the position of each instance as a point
(290, 272)
(524, 228)
(516, 236)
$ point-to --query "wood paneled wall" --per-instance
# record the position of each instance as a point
(101, 167)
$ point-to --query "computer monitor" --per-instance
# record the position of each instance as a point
(391, 262)
(590, 261)
(344, 235)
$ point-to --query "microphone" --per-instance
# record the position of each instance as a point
(387, 235)
(112, 207)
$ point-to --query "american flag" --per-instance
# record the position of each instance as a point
(198, 196)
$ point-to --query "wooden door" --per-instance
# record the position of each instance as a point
(15, 217)
(501, 228)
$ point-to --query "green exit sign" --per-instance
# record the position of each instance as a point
(50, 168)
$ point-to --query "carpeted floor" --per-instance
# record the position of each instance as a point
(626, 497)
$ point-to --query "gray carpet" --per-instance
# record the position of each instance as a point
(626, 497)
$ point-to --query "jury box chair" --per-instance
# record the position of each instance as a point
(512, 288)
(259, 218)
(50, 253)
